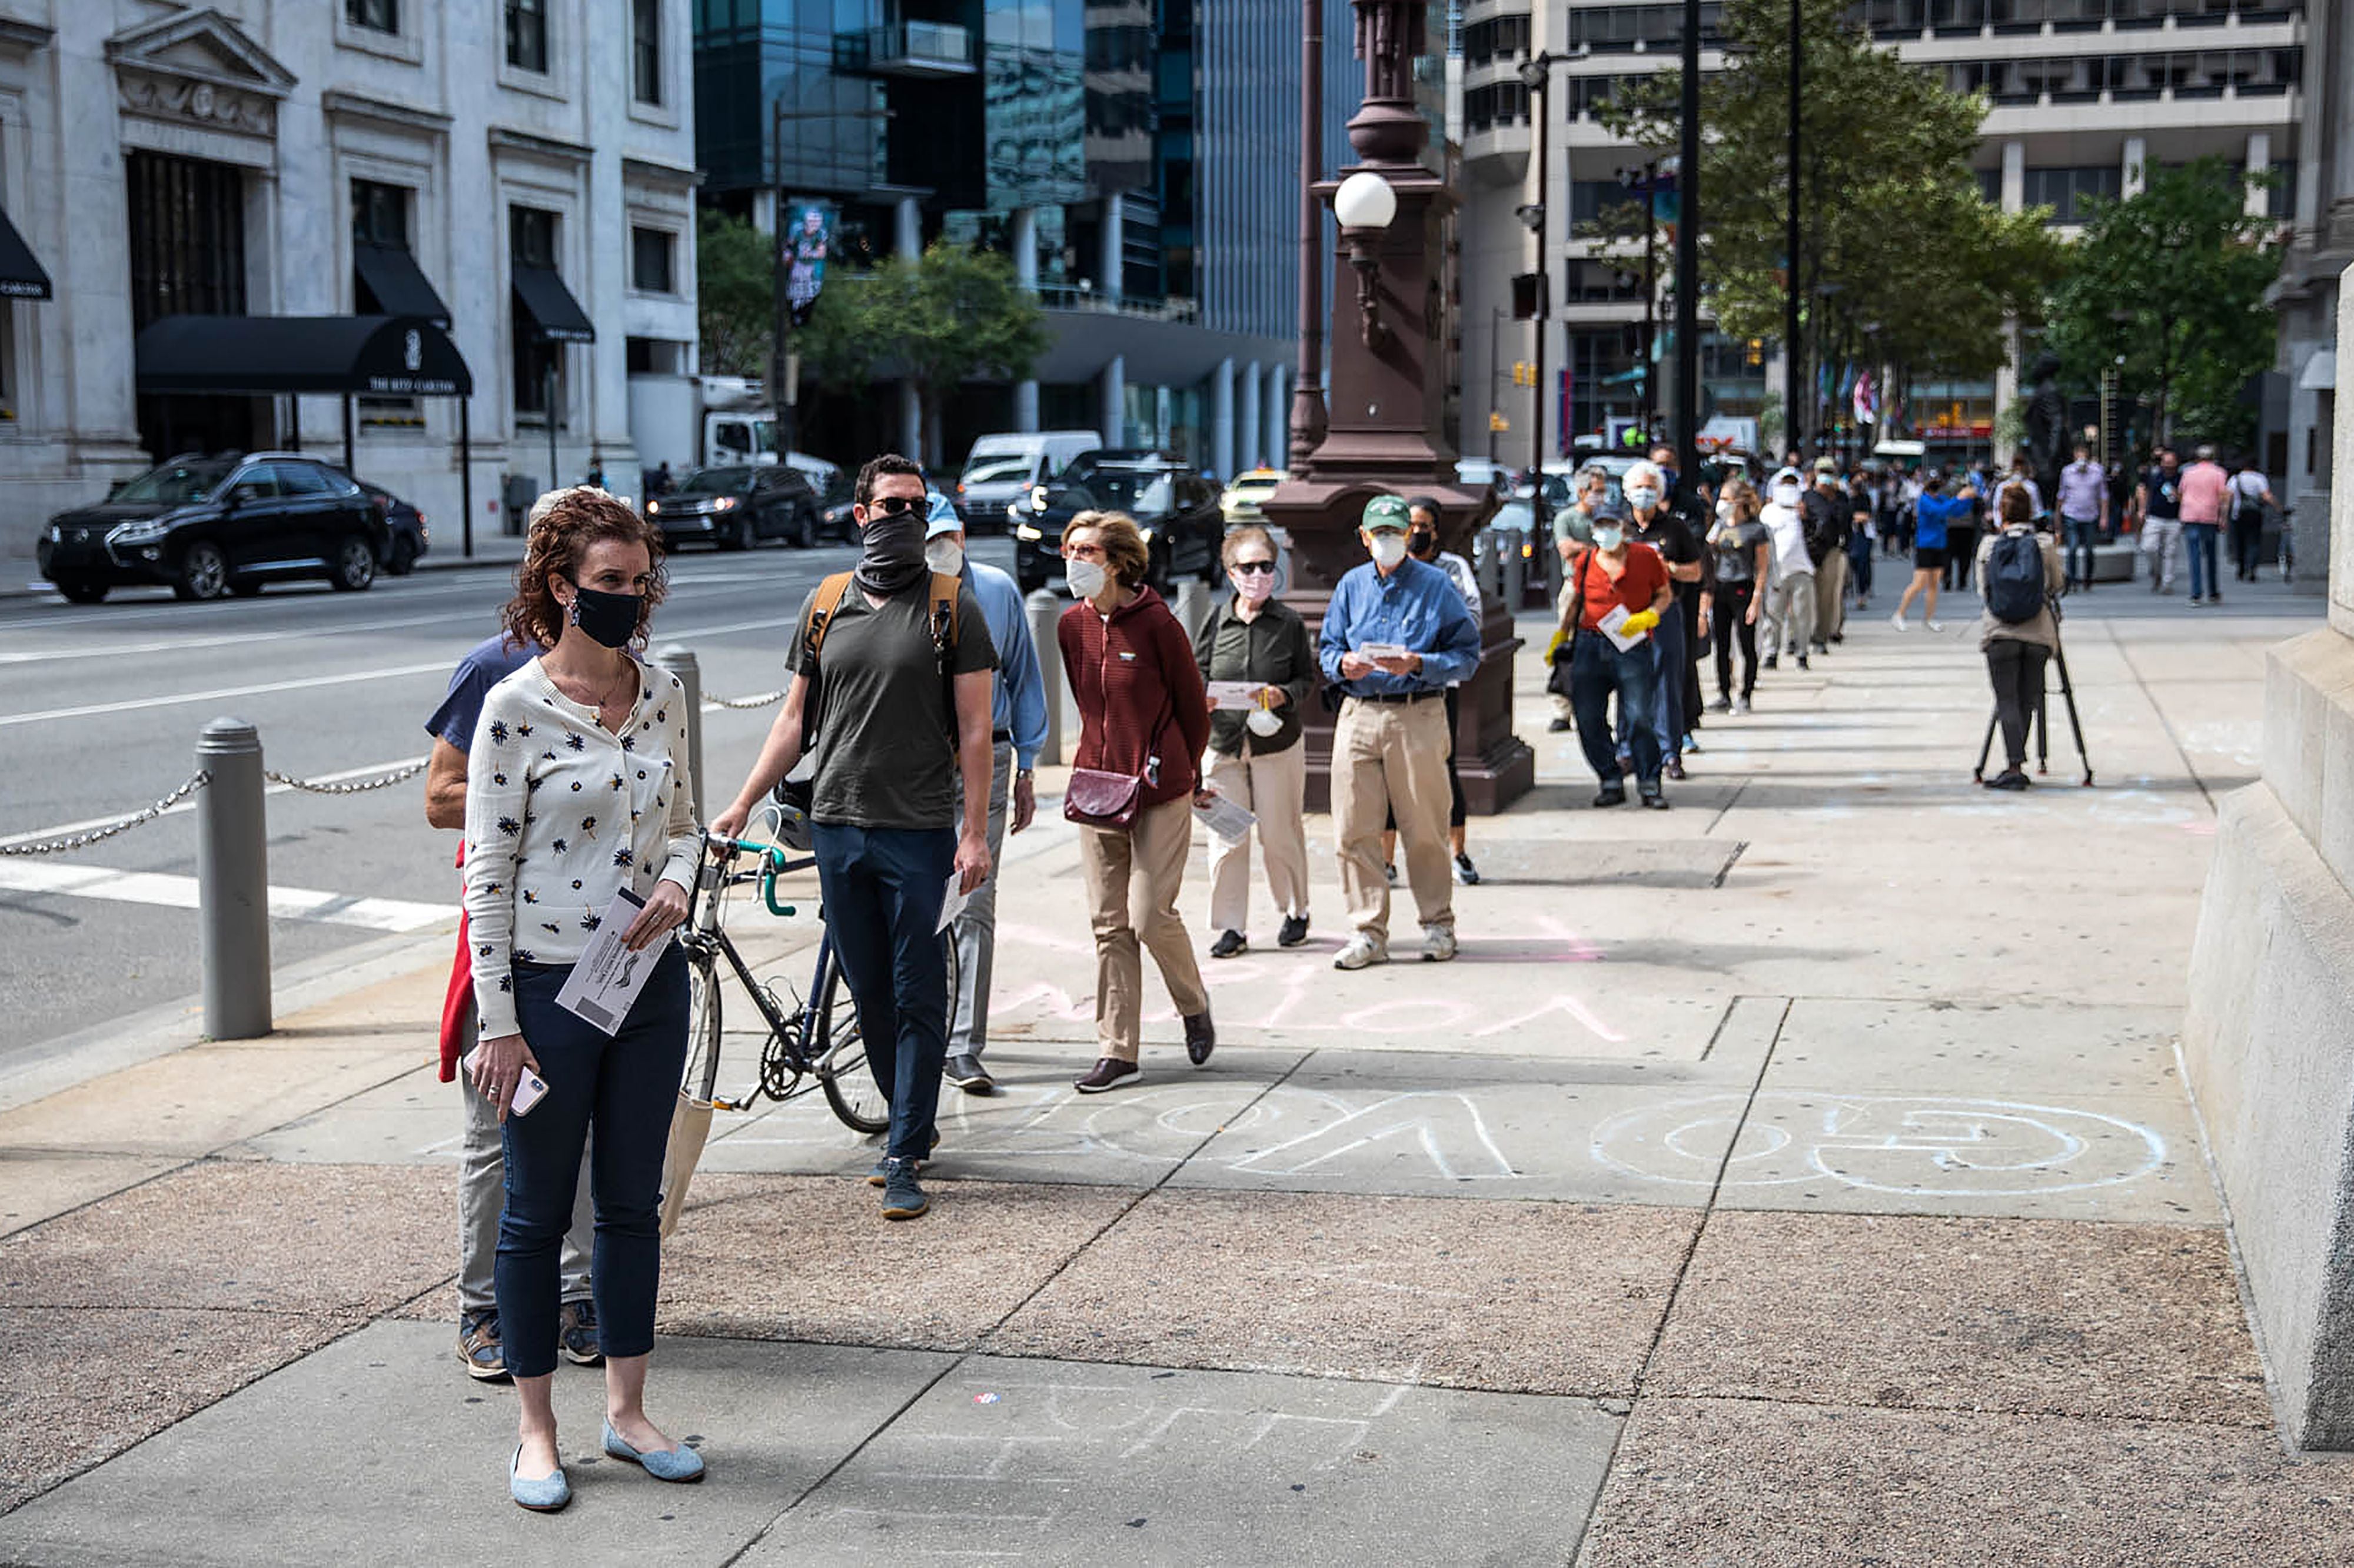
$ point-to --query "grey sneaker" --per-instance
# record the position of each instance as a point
(882, 1171)
(576, 1332)
(902, 1198)
(1438, 944)
(478, 1347)
(1362, 950)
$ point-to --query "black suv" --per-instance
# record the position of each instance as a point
(203, 526)
(736, 506)
(1177, 509)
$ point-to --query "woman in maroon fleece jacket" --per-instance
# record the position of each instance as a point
(1142, 711)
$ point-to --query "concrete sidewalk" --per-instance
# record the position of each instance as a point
(1800, 1176)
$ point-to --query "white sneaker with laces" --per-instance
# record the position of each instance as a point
(1438, 944)
(1933, 626)
(1362, 950)
(1897, 621)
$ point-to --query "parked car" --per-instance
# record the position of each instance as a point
(1177, 509)
(406, 533)
(737, 506)
(834, 503)
(204, 526)
(1003, 470)
(1240, 503)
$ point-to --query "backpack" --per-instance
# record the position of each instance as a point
(795, 794)
(2015, 579)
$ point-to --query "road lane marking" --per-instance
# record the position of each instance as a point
(372, 770)
(173, 892)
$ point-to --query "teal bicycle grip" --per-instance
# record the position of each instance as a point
(773, 860)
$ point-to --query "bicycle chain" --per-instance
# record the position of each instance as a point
(88, 836)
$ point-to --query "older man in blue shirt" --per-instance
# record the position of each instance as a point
(1019, 729)
(1396, 637)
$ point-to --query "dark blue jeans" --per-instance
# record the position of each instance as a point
(1859, 567)
(1668, 659)
(2206, 571)
(624, 1086)
(1598, 669)
(883, 888)
(2080, 531)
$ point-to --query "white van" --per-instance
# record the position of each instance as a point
(1001, 470)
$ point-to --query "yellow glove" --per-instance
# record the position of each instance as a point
(1642, 621)
(1560, 641)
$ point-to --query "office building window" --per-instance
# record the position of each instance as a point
(380, 214)
(376, 16)
(651, 269)
(527, 35)
(645, 50)
(538, 364)
(2070, 193)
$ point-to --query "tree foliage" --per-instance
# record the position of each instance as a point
(736, 298)
(2167, 287)
(1894, 234)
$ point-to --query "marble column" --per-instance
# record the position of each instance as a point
(1113, 384)
(2133, 169)
(1275, 408)
(1249, 428)
(1112, 263)
(1222, 421)
(2260, 159)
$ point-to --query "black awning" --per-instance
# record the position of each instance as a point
(389, 273)
(21, 277)
(554, 315)
(387, 356)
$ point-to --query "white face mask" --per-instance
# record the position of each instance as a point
(1607, 538)
(1786, 495)
(1642, 497)
(1725, 511)
(945, 557)
(1086, 578)
(1263, 721)
(1389, 550)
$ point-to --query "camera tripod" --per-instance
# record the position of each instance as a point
(2043, 720)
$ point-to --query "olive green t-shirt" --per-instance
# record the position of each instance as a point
(885, 745)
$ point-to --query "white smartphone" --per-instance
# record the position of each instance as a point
(530, 1089)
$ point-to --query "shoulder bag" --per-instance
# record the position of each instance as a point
(1099, 797)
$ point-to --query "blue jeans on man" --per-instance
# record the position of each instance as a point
(1668, 725)
(883, 889)
(2081, 533)
(2206, 568)
(1597, 668)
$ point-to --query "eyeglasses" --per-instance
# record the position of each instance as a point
(1251, 568)
(893, 505)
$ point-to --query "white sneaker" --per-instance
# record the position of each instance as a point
(1362, 950)
(1897, 621)
(1933, 626)
(1438, 944)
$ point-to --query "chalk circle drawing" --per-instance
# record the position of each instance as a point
(1918, 1145)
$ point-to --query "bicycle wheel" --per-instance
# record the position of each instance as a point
(702, 1026)
(838, 1057)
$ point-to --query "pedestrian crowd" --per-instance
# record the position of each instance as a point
(913, 725)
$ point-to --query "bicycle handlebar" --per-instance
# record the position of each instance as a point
(774, 863)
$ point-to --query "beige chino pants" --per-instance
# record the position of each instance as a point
(1392, 758)
(1132, 876)
(1273, 787)
(1830, 595)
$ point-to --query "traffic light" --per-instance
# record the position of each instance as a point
(1497, 424)
(1523, 373)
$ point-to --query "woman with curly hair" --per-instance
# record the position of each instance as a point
(577, 792)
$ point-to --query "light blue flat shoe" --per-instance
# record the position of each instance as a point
(546, 1494)
(679, 1464)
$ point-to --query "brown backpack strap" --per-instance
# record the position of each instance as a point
(821, 608)
(944, 616)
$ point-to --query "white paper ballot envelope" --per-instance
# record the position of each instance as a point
(952, 904)
(1227, 819)
(1614, 626)
(607, 979)
(1382, 651)
(1235, 696)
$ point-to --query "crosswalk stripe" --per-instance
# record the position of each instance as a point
(172, 892)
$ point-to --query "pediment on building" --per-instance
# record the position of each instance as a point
(199, 68)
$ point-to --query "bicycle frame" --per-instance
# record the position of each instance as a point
(706, 937)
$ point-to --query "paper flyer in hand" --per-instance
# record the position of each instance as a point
(1227, 819)
(952, 903)
(607, 979)
(1382, 651)
(1611, 625)
(1235, 696)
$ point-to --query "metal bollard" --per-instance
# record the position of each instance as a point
(1515, 575)
(233, 882)
(681, 662)
(1045, 609)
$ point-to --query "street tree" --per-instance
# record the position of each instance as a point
(2167, 289)
(949, 315)
(736, 295)
(1900, 260)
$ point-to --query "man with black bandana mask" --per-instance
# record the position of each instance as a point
(892, 699)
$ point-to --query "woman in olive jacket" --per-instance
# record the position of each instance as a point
(1256, 757)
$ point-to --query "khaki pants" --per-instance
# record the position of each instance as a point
(1562, 601)
(1830, 596)
(1391, 758)
(1275, 788)
(1132, 876)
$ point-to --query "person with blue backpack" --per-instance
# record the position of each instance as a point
(2018, 574)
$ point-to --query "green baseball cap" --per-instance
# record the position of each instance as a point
(1385, 511)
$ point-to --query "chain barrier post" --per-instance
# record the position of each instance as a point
(1045, 609)
(681, 662)
(233, 882)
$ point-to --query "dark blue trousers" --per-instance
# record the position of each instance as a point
(1597, 669)
(625, 1086)
(883, 889)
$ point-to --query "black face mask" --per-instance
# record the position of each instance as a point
(1422, 544)
(891, 551)
(611, 618)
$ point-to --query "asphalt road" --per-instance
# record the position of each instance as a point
(101, 707)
